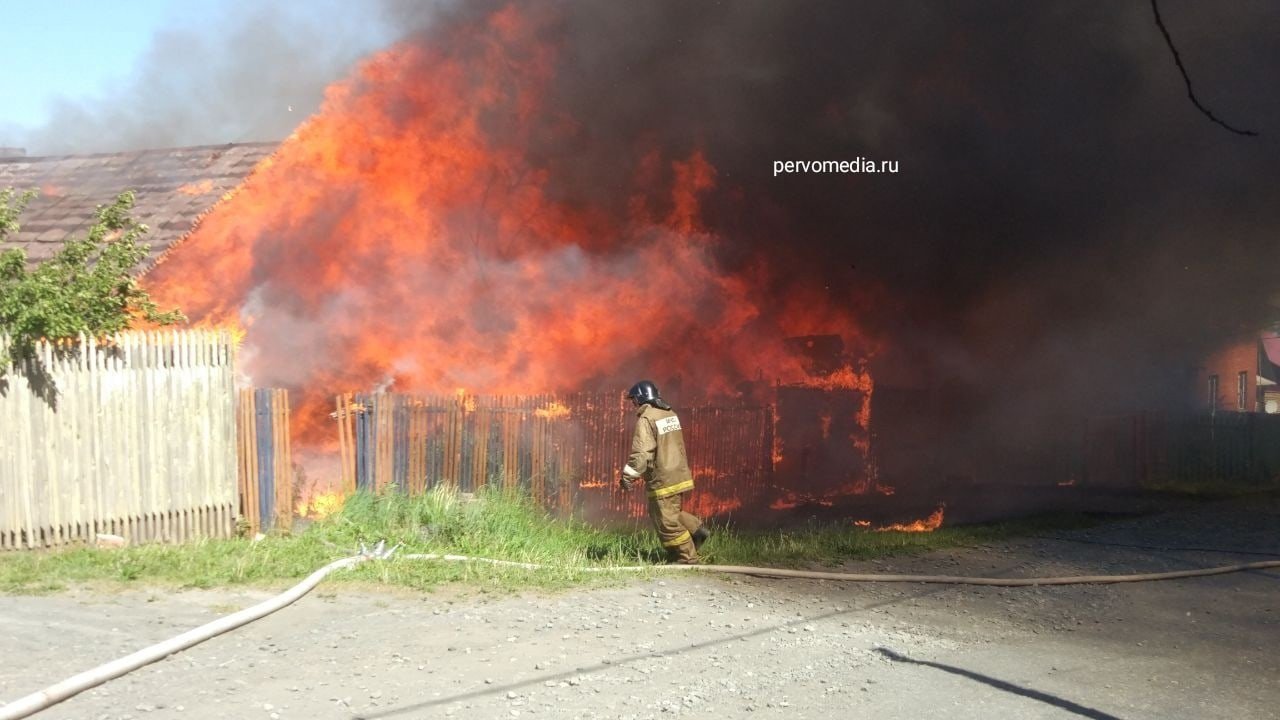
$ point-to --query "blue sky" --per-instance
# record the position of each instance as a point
(81, 50)
(75, 48)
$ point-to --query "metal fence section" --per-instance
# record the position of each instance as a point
(131, 436)
(1154, 450)
(565, 450)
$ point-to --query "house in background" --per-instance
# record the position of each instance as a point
(173, 189)
(1269, 385)
(1242, 376)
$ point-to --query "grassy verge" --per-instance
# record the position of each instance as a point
(826, 544)
(494, 525)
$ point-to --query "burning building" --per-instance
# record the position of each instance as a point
(522, 199)
(412, 236)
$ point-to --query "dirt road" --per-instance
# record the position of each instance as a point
(708, 647)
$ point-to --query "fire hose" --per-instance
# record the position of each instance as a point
(72, 686)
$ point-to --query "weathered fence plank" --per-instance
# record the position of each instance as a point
(265, 462)
(127, 444)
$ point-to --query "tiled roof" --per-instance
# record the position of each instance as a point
(174, 188)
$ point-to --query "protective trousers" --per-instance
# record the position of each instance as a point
(674, 528)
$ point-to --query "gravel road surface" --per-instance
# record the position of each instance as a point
(713, 647)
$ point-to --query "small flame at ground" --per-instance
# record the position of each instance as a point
(784, 503)
(929, 524)
(861, 486)
(321, 505)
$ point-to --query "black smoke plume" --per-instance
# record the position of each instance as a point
(1066, 235)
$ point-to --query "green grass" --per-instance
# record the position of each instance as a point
(827, 544)
(493, 525)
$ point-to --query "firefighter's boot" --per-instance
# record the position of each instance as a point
(700, 536)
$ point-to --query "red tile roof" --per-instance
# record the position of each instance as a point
(174, 188)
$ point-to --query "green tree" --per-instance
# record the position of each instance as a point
(87, 287)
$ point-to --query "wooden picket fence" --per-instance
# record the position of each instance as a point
(138, 441)
(265, 470)
(565, 450)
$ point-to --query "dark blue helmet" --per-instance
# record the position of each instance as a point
(644, 392)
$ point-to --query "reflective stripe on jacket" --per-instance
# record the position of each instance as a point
(657, 453)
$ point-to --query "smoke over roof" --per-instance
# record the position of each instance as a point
(1064, 221)
(252, 74)
(1062, 224)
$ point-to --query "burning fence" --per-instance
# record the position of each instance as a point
(418, 235)
(566, 451)
(929, 524)
(427, 230)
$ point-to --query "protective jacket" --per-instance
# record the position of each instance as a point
(657, 453)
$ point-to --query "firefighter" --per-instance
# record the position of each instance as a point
(658, 457)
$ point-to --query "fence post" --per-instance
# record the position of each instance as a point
(248, 453)
(344, 468)
(1251, 446)
(265, 461)
(283, 459)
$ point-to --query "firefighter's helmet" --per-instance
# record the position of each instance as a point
(644, 392)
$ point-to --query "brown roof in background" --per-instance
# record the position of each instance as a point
(173, 187)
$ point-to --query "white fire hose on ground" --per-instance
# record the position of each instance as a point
(856, 577)
(72, 686)
(76, 684)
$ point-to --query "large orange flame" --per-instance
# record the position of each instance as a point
(406, 237)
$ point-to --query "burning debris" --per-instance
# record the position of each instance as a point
(862, 487)
(320, 505)
(929, 524)
(552, 411)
